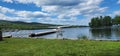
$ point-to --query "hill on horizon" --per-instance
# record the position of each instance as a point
(23, 25)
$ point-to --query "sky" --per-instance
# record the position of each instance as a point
(65, 12)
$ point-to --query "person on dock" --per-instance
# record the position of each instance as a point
(59, 32)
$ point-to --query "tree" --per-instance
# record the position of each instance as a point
(101, 21)
(92, 23)
(107, 21)
(116, 20)
(95, 22)
(0, 35)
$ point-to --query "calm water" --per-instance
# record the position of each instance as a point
(72, 33)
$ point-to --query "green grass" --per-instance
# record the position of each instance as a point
(54, 47)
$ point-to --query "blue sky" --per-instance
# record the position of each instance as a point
(67, 12)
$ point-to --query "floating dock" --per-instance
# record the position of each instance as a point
(10, 36)
(43, 33)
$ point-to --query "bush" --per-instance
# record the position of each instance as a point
(83, 37)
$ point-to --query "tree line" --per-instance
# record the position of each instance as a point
(104, 21)
(23, 25)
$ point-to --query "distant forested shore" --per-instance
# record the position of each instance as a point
(23, 25)
(104, 21)
(30, 26)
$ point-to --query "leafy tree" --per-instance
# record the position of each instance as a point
(95, 22)
(116, 20)
(107, 21)
(100, 21)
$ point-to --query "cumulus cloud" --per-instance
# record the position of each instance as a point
(118, 2)
(6, 10)
(48, 2)
(4, 17)
(63, 21)
(64, 9)
(116, 12)
(74, 21)
(83, 8)
(29, 14)
(9, 1)
(20, 15)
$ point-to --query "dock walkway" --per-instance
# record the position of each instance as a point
(43, 33)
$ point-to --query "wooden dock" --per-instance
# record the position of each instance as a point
(10, 36)
(43, 33)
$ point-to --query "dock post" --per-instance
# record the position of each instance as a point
(1, 35)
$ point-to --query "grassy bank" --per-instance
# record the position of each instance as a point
(45, 47)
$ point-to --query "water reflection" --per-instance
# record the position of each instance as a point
(59, 34)
(116, 33)
(72, 33)
(101, 33)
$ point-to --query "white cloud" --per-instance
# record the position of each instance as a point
(74, 21)
(9, 1)
(29, 14)
(50, 2)
(50, 8)
(116, 12)
(4, 17)
(83, 8)
(64, 9)
(118, 2)
(20, 15)
(6, 10)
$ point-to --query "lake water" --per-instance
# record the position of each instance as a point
(72, 33)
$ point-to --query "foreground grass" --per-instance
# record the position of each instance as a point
(45, 47)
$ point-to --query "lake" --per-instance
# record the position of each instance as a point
(71, 33)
